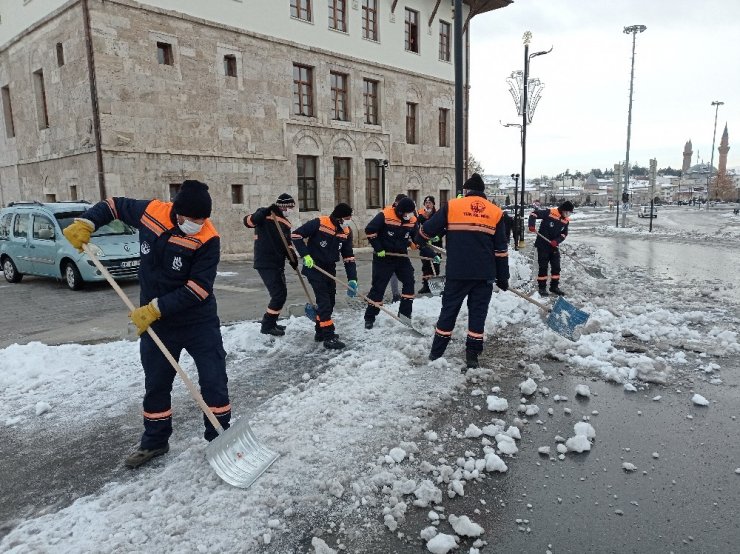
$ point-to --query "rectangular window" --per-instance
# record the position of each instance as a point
(414, 195)
(370, 96)
(8, 112)
(43, 228)
(370, 19)
(237, 194)
(338, 15)
(444, 41)
(339, 96)
(302, 90)
(230, 65)
(410, 123)
(41, 111)
(300, 9)
(73, 193)
(372, 184)
(164, 54)
(20, 225)
(60, 54)
(342, 189)
(51, 198)
(308, 190)
(444, 139)
(444, 197)
(412, 30)
(174, 189)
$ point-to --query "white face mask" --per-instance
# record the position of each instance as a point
(407, 216)
(346, 221)
(566, 214)
(287, 212)
(428, 210)
(190, 227)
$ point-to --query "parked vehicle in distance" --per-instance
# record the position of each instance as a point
(645, 211)
(32, 243)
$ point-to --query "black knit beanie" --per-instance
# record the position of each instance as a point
(341, 211)
(475, 183)
(285, 201)
(405, 205)
(193, 200)
(398, 197)
(566, 206)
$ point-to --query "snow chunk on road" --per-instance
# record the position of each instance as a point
(583, 390)
(494, 463)
(528, 387)
(585, 429)
(428, 533)
(497, 404)
(398, 454)
(42, 408)
(320, 547)
(579, 443)
(464, 527)
(426, 493)
(506, 444)
(629, 387)
(473, 432)
(627, 466)
(697, 399)
(545, 450)
(442, 544)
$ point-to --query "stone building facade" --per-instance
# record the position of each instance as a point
(212, 90)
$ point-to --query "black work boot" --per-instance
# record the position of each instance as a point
(333, 343)
(555, 288)
(543, 291)
(281, 327)
(471, 359)
(425, 289)
(270, 326)
(369, 323)
(439, 345)
(140, 456)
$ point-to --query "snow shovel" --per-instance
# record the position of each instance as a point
(563, 318)
(400, 318)
(236, 455)
(591, 271)
(310, 309)
(436, 283)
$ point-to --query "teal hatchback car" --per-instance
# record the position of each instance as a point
(32, 243)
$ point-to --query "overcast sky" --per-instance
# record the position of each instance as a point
(688, 56)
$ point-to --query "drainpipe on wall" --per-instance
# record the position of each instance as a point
(94, 99)
(467, 98)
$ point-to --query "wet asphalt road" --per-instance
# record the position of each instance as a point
(684, 502)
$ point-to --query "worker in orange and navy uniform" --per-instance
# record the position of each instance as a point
(390, 232)
(477, 256)
(180, 251)
(321, 242)
(429, 268)
(270, 252)
(553, 231)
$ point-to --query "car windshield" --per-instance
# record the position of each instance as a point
(115, 227)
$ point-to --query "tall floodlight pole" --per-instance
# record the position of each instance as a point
(631, 30)
(458, 53)
(520, 86)
(716, 104)
(653, 175)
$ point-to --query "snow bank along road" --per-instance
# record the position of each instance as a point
(596, 445)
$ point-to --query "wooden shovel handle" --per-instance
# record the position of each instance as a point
(396, 254)
(528, 299)
(184, 376)
(294, 258)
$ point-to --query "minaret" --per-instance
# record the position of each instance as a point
(724, 147)
(687, 153)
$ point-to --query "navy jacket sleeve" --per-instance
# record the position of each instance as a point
(501, 250)
(127, 210)
(348, 257)
(563, 234)
(200, 281)
(257, 218)
(373, 230)
(436, 225)
(303, 232)
(535, 215)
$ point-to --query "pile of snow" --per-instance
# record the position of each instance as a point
(699, 400)
(528, 387)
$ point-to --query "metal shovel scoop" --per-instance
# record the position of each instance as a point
(563, 318)
(236, 455)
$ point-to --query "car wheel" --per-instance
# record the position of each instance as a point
(73, 277)
(10, 271)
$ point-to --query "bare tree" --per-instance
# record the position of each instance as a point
(723, 188)
(474, 166)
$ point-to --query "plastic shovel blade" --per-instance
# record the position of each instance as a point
(565, 317)
(436, 285)
(238, 457)
(407, 322)
(310, 312)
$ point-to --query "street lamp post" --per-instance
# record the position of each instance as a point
(517, 231)
(631, 30)
(716, 104)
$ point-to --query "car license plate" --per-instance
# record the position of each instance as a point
(130, 263)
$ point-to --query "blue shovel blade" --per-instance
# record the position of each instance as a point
(310, 312)
(565, 317)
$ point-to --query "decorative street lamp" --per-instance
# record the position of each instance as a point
(631, 30)
(717, 104)
(520, 86)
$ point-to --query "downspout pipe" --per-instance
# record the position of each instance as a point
(94, 99)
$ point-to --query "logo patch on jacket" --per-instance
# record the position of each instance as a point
(323, 244)
(478, 207)
(177, 263)
(145, 248)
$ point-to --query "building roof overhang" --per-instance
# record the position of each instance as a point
(481, 6)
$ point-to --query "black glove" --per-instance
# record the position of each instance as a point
(503, 284)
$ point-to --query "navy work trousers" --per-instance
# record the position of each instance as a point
(478, 293)
(383, 270)
(325, 290)
(203, 342)
(547, 255)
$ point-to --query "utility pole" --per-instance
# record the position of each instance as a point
(717, 104)
(653, 175)
(617, 189)
(458, 53)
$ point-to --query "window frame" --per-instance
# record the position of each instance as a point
(373, 183)
(230, 66)
(174, 188)
(165, 53)
(371, 99)
(339, 95)
(444, 127)
(338, 15)
(307, 183)
(7, 111)
(444, 197)
(370, 20)
(411, 30)
(42, 109)
(301, 7)
(60, 54)
(237, 194)
(35, 229)
(303, 90)
(444, 40)
(411, 122)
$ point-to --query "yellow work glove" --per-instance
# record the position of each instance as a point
(146, 315)
(78, 233)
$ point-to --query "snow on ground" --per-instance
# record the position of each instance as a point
(338, 427)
